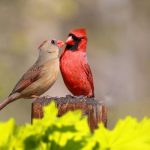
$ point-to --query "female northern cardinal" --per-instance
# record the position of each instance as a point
(74, 67)
(41, 76)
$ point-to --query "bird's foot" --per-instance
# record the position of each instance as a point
(81, 97)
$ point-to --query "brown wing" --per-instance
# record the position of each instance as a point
(27, 79)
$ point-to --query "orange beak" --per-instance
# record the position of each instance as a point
(70, 41)
(60, 43)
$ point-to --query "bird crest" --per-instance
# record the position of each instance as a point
(79, 32)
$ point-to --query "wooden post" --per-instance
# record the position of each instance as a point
(95, 110)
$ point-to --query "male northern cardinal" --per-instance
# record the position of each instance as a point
(74, 67)
(41, 76)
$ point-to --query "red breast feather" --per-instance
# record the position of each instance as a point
(77, 73)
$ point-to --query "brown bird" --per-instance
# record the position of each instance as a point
(41, 76)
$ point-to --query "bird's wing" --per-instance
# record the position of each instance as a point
(27, 79)
(89, 75)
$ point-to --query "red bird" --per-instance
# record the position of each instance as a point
(74, 67)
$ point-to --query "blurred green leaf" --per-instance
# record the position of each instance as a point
(71, 132)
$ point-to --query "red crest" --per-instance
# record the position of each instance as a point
(79, 32)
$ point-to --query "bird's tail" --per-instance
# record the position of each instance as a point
(10, 99)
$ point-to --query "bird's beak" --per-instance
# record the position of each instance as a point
(60, 43)
(70, 41)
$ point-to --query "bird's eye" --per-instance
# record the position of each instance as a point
(53, 41)
(75, 38)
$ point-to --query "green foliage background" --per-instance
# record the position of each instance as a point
(71, 132)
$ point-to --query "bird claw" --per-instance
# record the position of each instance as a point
(81, 97)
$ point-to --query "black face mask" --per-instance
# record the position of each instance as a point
(76, 43)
